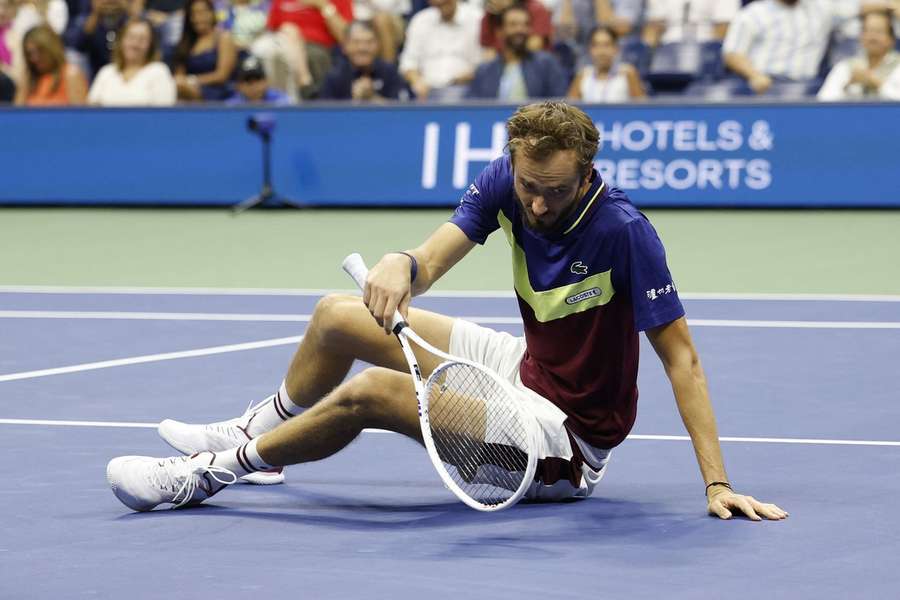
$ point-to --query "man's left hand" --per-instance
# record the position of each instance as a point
(722, 502)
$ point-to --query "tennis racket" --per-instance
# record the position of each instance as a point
(480, 438)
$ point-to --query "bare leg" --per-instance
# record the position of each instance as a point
(342, 330)
(377, 397)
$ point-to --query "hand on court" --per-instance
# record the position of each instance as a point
(724, 502)
(388, 288)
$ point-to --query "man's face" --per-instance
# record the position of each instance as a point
(253, 89)
(515, 30)
(111, 7)
(548, 190)
(446, 7)
(876, 34)
(361, 47)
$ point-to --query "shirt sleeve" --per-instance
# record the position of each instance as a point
(411, 58)
(162, 87)
(833, 88)
(724, 11)
(741, 33)
(890, 89)
(645, 277)
(476, 214)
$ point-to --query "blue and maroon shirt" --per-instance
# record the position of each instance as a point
(584, 291)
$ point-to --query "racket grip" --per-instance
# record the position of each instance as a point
(356, 268)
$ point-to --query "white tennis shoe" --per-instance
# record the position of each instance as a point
(215, 437)
(142, 483)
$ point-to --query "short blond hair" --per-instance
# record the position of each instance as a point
(541, 129)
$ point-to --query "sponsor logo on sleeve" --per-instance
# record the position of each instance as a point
(655, 293)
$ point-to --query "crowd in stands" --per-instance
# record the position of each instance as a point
(160, 52)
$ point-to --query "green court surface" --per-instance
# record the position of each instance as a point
(709, 250)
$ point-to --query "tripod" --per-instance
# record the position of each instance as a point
(267, 194)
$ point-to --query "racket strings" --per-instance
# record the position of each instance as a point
(478, 432)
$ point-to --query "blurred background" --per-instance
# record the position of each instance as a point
(126, 120)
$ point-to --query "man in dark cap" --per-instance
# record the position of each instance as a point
(253, 87)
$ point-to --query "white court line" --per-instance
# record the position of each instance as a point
(147, 358)
(661, 438)
(302, 318)
(210, 291)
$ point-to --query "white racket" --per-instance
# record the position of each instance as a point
(481, 439)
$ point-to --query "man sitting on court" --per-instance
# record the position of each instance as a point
(590, 273)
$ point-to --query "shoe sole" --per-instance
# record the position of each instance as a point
(272, 477)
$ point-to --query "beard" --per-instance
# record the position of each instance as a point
(516, 42)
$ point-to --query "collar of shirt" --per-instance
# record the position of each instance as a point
(586, 206)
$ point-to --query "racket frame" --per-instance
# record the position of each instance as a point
(356, 268)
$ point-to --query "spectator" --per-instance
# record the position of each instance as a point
(205, 56)
(441, 50)
(873, 74)
(48, 79)
(94, 34)
(10, 43)
(518, 73)
(674, 21)
(167, 17)
(136, 77)
(491, 37)
(246, 20)
(306, 32)
(7, 89)
(603, 81)
(574, 20)
(253, 86)
(387, 20)
(363, 76)
(780, 40)
(32, 13)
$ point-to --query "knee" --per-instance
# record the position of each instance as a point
(333, 315)
(365, 395)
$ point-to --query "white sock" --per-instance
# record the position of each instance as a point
(241, 460)
(275, 410)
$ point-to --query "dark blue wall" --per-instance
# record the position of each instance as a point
(721, 155)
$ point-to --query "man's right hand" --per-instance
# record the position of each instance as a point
(760, 83)
(388, 289)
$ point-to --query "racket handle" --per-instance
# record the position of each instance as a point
(355, 267)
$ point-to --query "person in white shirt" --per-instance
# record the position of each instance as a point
(32, 13)
(784, 39)
(605, 81)
(674, 21)
(875, 74)
(442, 50)
(135, 77)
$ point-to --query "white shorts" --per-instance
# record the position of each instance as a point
(563, 472)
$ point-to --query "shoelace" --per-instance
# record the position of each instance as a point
(177, 469)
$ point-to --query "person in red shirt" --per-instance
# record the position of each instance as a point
(541, 26)
(304, 34)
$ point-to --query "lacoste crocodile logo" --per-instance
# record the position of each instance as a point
(578, 268)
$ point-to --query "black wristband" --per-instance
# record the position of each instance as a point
(722, 483)
(413, 265)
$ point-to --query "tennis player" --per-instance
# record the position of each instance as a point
(590, 273)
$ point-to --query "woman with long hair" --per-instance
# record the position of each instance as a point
(606, 80)
(205, 57)
(48, 80)
(136, 77)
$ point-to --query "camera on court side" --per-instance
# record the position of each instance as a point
(262, 123)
